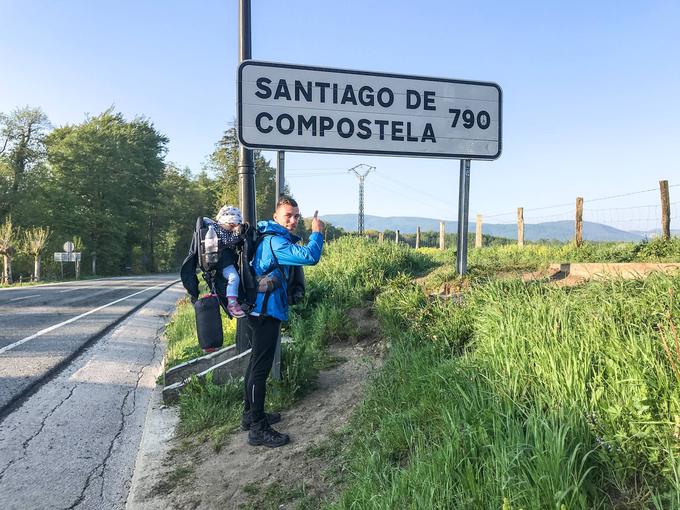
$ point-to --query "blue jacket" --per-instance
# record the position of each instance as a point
(282, 247)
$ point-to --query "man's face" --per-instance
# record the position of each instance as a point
(287, 216)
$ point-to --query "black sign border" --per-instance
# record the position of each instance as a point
(262, 63)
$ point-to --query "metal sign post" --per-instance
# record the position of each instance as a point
(463, 211)
(280, 182)
(67, 256)
(280, 174)
(246, 165)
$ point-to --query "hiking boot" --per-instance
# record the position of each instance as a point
(261, 434)
(271, 418)
(234, 309)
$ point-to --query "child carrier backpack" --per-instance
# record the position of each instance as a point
(210, 268)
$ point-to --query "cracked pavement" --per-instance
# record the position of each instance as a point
(73, 444)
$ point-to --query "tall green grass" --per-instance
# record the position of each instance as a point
(561, 398)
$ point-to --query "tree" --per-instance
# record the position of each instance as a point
(22, 135)
(183, 198)
(35, 241)
(224, 163)
(107, 172)
(78, 247)
(8, 237)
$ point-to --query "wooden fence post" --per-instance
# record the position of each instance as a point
(579, 221)
(396, 237)
(665, 211)
(520, 226)
(381, 237)
(442, 234)
(417, 237)
(478, 232)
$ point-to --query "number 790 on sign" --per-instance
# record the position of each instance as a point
(483, 119)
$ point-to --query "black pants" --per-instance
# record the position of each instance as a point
(264, 332)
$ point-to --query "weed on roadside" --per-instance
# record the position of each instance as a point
(172, 480)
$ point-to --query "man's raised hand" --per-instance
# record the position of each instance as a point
(317, 224)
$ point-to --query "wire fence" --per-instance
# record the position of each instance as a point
(611, 211)
(644, 220)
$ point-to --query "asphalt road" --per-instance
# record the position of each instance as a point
(43, 327)
(72, 444)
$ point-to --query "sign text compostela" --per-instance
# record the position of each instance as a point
(304, 108)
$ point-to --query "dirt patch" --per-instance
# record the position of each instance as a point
(297, 475)
(578, 273)
(555, 276)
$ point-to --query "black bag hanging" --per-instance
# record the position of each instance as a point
(209, 323)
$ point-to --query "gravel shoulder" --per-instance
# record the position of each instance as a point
(178, 473)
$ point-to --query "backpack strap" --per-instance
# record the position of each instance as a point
(265, 275)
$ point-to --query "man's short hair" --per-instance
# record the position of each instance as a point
(286, 200)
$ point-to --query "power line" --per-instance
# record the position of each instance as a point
(410, 187)
(325, 174)
(411, 198)
(317, 169)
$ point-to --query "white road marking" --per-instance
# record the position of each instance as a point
(56, 326)
(25, 297)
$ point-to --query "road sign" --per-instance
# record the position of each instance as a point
(68, 246)
(304, 108)
(67, 256)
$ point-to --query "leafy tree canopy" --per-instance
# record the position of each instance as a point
(106, 174)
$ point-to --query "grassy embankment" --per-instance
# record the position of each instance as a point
(342, 280)
(525, 396)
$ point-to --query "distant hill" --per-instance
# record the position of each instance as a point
(553, 230)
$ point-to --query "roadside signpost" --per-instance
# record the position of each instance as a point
(68, 255)
(318, 109)
(287, 107)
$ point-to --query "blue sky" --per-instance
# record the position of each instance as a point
(590, 89)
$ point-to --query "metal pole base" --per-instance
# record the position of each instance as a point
(243, 341)
(463, 212)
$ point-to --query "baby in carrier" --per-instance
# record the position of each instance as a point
(227, 229)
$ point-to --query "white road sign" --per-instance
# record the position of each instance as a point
(67, 256)
(303, 108)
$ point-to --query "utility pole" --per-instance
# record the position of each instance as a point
(361, 177)
(280, 174)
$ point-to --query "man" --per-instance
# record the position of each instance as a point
(272, 262)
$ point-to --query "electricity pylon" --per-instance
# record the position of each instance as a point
(362, 177)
